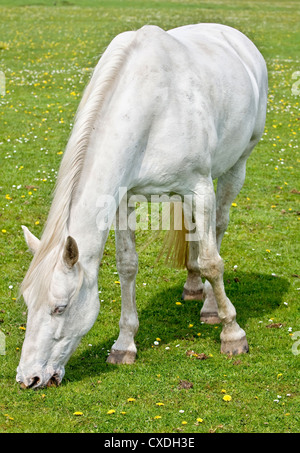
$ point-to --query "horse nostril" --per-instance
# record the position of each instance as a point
(34, 381)
(54, 381)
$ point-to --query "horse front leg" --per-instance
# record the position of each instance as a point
(124, 350)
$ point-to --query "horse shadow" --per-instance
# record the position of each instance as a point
(251, 293)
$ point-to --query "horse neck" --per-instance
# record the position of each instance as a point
(110, 162)
(105, 170)
(84, 220)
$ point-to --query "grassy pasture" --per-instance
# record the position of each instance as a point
(47, 52)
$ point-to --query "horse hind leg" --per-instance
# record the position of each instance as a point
(195, 290)
(124, 350)
(228, 187)
(182, 253)
(193, 287)
(233, 338)
(209, 311)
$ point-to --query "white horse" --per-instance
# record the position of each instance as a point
(164, 113)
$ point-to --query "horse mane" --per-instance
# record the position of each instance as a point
(55, 231)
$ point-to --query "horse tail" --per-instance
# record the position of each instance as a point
(175, 244)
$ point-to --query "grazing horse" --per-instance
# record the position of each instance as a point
(164, 113)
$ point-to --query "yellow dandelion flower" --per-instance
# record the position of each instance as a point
(178, 303)
(159, 404)
(233, 204)
(157, 417)
(184, 422)
(111, 411)
(227, 398)
(77, 413)
(130, 400)
(4, 46)
(200, 420)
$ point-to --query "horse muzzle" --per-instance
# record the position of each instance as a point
(42, 378)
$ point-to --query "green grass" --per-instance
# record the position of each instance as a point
(47, 51)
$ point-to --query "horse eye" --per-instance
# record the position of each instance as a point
(59, 309)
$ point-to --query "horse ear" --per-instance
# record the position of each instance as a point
(32, 241)
(71, 253)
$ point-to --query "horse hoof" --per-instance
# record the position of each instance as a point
(235, 347)
(121, 357)
(210, 317)
(192, 295)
